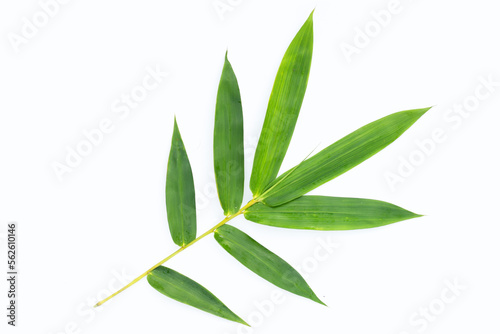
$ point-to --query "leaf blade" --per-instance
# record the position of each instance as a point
(340, 156)
(325, 213)
(183, 289)
(180, 193)
(283, 109)
(228, 142)
(263, 262)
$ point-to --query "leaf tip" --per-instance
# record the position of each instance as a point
(243, 322)
(413, 215)
(319, 301)
(314, 298)
(415, 114)
(422, 111)
(310, 19)
(427, 109)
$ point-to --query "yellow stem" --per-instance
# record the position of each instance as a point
(225, 220)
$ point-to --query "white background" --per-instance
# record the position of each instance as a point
(107, 215)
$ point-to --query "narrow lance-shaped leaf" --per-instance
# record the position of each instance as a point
(339, 157)
(228, 142)
(262, 261)
(328, 213)
(183, 289)
(283, 109)
(179, 193)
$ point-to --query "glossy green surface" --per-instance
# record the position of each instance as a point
(228, 142)
(183, 289)
(283, 109)
(328, 213)
(339, 157)
(179, 193)
(262, 261)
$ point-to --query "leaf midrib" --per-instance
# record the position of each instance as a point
(273, 269)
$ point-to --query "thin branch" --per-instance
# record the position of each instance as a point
(138, 278)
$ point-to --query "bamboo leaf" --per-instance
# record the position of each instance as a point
(262, 261)
(328, 213)
(339, 157)
(179, 193)
(283, 109)
(183, 289)
(228, 142)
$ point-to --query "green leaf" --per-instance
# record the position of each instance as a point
(183, 289)
(339, 157)
(228, 142)
(262, 261)
(283, 109)
(328, 213)
(179, 193)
